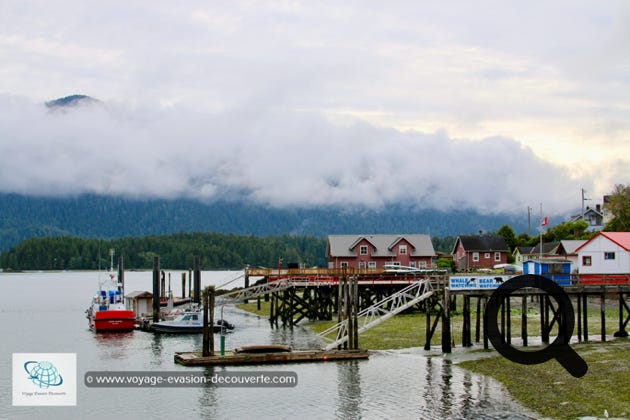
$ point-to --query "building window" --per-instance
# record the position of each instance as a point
(422, 264)
(363, 250)
(412, 264)
(344, 264)
(497, 256)
(475, 256)
(486, 255)
(372, 264)
(402, 249)
(586, 261)
(609, 255)
(362, 264)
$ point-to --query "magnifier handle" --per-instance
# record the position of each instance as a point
(572, 362)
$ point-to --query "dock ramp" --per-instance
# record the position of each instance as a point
(381, 311)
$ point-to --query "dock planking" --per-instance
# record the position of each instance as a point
(294, 356)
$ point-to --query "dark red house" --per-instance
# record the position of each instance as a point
(479, 251)
(374, 251)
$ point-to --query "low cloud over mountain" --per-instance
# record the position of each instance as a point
(266, 155)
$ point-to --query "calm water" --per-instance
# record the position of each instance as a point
(44, 312)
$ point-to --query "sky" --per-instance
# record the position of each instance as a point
(498, 106)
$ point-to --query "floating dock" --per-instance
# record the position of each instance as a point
(245, 358)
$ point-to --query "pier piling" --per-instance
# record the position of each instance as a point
(156, 289)
(208, 322)
(197, 280)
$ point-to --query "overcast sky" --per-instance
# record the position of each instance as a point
(496, 105)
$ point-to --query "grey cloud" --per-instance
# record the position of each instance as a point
(276, 157)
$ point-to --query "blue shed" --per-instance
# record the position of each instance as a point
(556, 270)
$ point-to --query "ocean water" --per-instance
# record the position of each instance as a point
(44, 313)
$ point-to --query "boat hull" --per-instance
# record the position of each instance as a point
(160, 327)
(113, 320)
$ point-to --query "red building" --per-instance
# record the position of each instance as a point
(375, 251)
(485, 251)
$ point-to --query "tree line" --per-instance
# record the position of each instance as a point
(217, 251)
(230, 251)
(176, 251)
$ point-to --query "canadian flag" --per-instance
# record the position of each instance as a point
(544, 221)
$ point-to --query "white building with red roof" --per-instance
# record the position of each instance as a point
(605, 253)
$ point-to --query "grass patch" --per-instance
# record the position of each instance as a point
(552, 392)
(409, 330)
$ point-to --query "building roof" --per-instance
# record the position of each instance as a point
(138, 294)
(620, 238)
(344, 245)
(482, 243)
(570, 246)
(588, 210)
(523, 250)
(547, 248)
(548, 261)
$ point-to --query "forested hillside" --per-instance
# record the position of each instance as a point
(95, 216)
(177, 251)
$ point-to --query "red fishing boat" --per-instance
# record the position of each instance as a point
(107, 311)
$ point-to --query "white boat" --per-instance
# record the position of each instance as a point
(189, 322)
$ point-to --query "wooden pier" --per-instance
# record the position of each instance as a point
(361, 299)
(315, 297)
(293, 356)
(582, 297)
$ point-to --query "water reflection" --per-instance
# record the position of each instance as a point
(446, 398)
(349, 390)
(114, 345)
(208, 398)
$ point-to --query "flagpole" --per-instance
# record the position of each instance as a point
(541, 233)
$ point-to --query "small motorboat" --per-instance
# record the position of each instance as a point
(189, 322)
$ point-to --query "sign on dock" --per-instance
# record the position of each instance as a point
(476, 282)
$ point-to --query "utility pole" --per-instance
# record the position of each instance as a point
(583, 200)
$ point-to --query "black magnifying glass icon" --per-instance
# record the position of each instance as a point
(559, 349)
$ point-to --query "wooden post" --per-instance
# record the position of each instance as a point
(508, 324)
(346, 312)
(340, 299)
(503, 319)
(246, 286)
(208, 322)
(446, 322)
(585, 316)
(579, 317)
(602, 309)
(427, 342)
(466, 341)
(524, 319)
(485, 323)
(478, 320)
(197, 279)
(162, 285)
(121, 276)
(183, 285)
(622, 321)
(156, 289)
(355, 312)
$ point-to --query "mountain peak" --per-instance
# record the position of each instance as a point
(71, 101)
